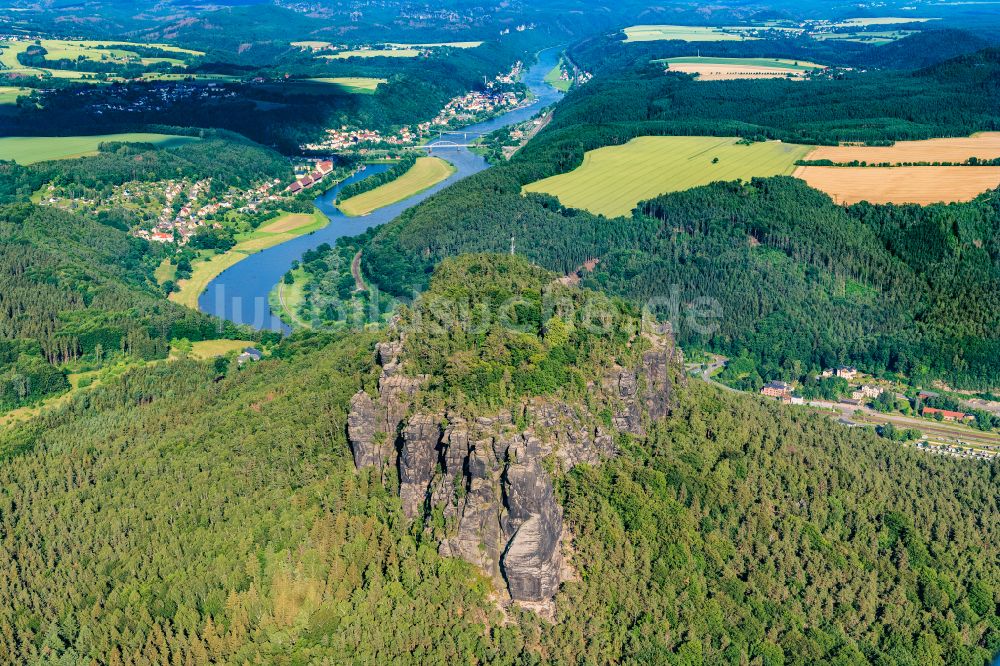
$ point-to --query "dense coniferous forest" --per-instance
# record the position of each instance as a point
(71, 289)
(213, 513)
(857, 280)
(190, 512)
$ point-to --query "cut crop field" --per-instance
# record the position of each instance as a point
(32, 149)
(436, 45)
(374, 53)
(427, 172)
(720, 69)
(880, 20)
(612, 180)
(361, 85)
(984, 145)
(918, 185)
(684, 33)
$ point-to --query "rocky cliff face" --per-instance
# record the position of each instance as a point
(483, 483)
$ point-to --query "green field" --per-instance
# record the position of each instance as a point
(277, 231)
(31, 149)
(781, 63)
(206, 349)
(552, 78)
(685, 33)
(612, 180)
(361, 85)
(95, 51)
(427, 172)
(9, 94)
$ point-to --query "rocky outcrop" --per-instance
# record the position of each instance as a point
(488, 476)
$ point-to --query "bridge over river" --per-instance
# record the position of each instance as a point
(240, 293)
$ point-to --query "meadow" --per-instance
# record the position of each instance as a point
(900, 185)
(685, 33)
(427, 172)
(31, 149)
(717, 69)
(612, 180)
(554, 78)
(95, 51)
(360, 85)
(9, 94)
(206, 349)
(278, 231)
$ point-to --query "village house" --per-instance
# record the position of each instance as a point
(867, 392)
(780, 390)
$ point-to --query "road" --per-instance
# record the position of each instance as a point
(952, 433)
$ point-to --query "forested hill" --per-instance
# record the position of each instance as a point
(883, 304)
(182, 514)
(71, 288)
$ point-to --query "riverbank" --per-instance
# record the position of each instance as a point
(286, 299)
(284, 228)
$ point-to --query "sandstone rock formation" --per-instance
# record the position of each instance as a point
(486, 475)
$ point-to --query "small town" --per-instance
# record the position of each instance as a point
(471, 107)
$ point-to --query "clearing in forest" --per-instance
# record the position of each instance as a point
(984, 146)
(899, 185)
(707, 68)
(426, 173)
(612, 180)
(32, 149)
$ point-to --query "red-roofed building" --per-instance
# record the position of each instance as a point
(295, 187)
(946, 414)
(325, 167)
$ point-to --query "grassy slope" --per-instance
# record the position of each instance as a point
(205, 271)
(612, 180)
(427, 172)
(353, 84)
(32, 149)
(552, 78)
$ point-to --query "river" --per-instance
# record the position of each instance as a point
(240, 293)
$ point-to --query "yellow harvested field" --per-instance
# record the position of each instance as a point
(880, 20)
(706, 72)
(985, 145)
(374, 53)
(918, 185)
(434, 45)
